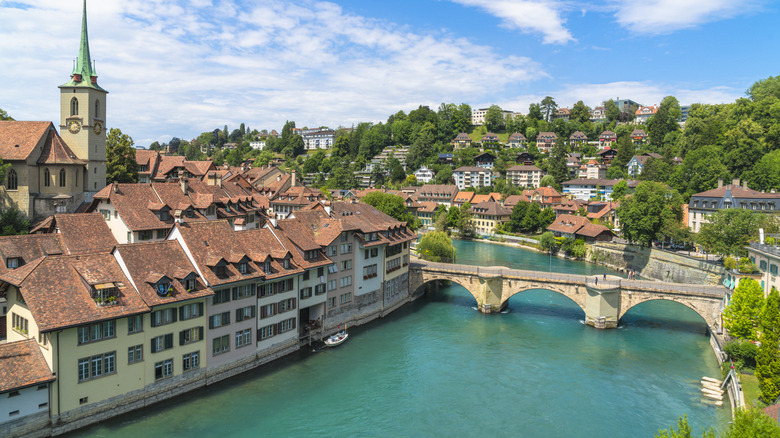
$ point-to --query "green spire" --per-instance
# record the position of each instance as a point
(83, 66)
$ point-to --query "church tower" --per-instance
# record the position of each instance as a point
(83, 116)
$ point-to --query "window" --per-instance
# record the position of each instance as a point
(332, 269)
(19, 323)
(161, 234)
(190, 284)
(286, 325)
(163, 317)
(135, 354)
(62, 177)
(332, 251)
(763, 265)
(189, 336)
(220, 345)
(267, 331)
(345, 298)
(345, 281)
(221, 296)
(190, 311)
(369, 271)
(190, 361)
(219, 320)
(243, 338)
(245, 313)
(46, 177)
(242, 268)
(162, 343)
(306, 275)
(104, 293)
(287, 263)
(285, 305)
(12, 180)
(320, 272)
(96, 332)
(346, 248)
(305, 293)
(247, 290)
(96, 366)
(331, 284)
(332, 302)
(12, 263)
(319, 289)
(211, 210)
(344, 237)
(135, 324)
(163, 287)
(97, 109)
(393, 265)
(163, 369)
(773, 269)
(74, 107)
(346, 265)
(267, 267)
(267, 310)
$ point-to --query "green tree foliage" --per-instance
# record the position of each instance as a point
(619, 191)
(549, 181)
(546, 217)
(683, 430)
(729, 231)
(535, 112)
(517, 216)
(391, 205)
(556, 165)
(658, 170)
(120, 158)
(765, 89)
(13, 222)
(436, 246)
(465, 224)
(765, 175)
(752, 423)
(4, 115)
(664, 121)
(650, 213)
(699, 171)
(579, 112)
(547, 242)
(612, 110)
(625, 152)
(574, 248)
(768, 360)
(494, 119)
(548, 107)
(742, 316)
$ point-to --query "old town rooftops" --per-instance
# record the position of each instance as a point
(22, 365)
(60, 291)
(19, 139)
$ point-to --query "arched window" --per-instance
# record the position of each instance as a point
(62, 177)
(74, 107)
(46, 177)
(12, 181)
(97, 109)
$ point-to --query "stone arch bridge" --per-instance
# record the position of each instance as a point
(604, 302)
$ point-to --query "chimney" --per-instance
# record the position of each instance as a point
(184, 185)
(720, 182)
(744, 185)
(116, 187)
(292, 179)
(761, 236)
(735, 181)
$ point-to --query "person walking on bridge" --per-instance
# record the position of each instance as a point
(597, 280)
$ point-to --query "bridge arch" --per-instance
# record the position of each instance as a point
(709, 313)
(567, 292)
(463, 282)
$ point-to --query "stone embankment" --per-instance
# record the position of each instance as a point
(657, 264)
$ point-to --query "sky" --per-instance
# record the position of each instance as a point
(182, 67)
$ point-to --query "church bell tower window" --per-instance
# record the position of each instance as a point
(46, 177)
(74, 107)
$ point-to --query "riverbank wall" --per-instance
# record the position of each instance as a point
(733, 386)
(657, 264)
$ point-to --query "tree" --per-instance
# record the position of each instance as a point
(535, 112)
(494, 119)
(556, 165)
(397, 173)
(531, 220)
(752, 423)
(664, 121)
(728, 231)
(683, 430)
(653, 208)
(547, 242)
(579, 112)
(769, 87)
(4, 115)
(436, 246)
(699, 171)
(546, 217)
(742, 316)
(120, 158)
(465, 224)
(768, 360)
(612, 110)
(625, 152)
(517, 216)
(548, 181)
(13, 222)
(548, 107)
(765, 175)
(619, 190)
(391, 205)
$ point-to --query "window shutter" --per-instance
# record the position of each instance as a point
(273, 309)
(154, 346)
(169, 340)
(211, 322)
(254, 311)
(200, 309)
(200, 332)
(293, 303)
(181, 312)
(226, 318)
(239, 314)
(293, 321)
(173, 315)
(278, 327)
(181, 337)
(235, 293)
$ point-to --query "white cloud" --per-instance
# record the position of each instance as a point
(529, 16)
(665, 16)
(646, 93)
(176, 69)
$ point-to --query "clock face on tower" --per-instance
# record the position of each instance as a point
(98, 128)
(74, 126)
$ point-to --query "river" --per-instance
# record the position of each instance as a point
(438, 367)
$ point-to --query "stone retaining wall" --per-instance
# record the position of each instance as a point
(657, 264)
(29, 426)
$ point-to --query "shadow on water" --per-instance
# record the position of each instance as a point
(664, 315)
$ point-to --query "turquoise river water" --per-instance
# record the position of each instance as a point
(439, 368)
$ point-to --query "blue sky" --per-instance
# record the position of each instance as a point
(178, 68)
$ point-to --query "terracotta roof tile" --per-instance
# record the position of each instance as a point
(19, 139)
(55, 151)
(21, 365)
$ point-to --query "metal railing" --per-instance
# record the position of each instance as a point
(769, 249)
(587, 280)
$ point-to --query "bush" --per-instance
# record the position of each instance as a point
(742, 352)
(730, 263)
(746, 266)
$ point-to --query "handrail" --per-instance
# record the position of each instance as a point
(716, 291)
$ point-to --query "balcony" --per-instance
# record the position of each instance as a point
(769, 249)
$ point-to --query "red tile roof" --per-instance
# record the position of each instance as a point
(18, 139)
(55, 151)
(21, 365)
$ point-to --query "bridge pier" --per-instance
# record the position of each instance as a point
(491, 290)
(602, 307)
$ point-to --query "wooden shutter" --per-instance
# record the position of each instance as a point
(274, 309)
(181, 337)
(235, 293)
(200, 333)
(293, 303)
(154, 345)
(174, 315)
(169, 340)
(181, 312)
(226, 318)
(239, 315)
(200, 309)
(293, 323)
(211, 322)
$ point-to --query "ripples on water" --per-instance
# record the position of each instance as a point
(438, 367)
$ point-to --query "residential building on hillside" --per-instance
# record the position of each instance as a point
(545, 141)
(561, 113)
(438, 193)
(490, 140)
(517, 140)
(727, 196)
(472, 176)
(639, 136)
(524, 176)
(586, 189)
(424, 175)
(625, 104)
(545, 196)
(638, 162)
(478, 115)
(320, 138)
(461, 140)
(606, 139)
(525, 158)
(258, 144)
(425, 213)
(607, 155)
(766, 257)
(592, 170)
(485, 160)
(598, 114)
(578, 138)
(486, 216)
(644, 113)
(578, 227)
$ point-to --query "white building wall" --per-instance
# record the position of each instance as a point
(31, 400)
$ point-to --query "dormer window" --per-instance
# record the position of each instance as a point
(227, 207)
(105, 293)
(287, 263)
(211, 210)
(243, 268)
(220, 270)
(163, 287)
(12, 262)
(267, 267)
(164, 216)
(189, 213)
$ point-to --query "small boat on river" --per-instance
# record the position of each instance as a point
(337, 339)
